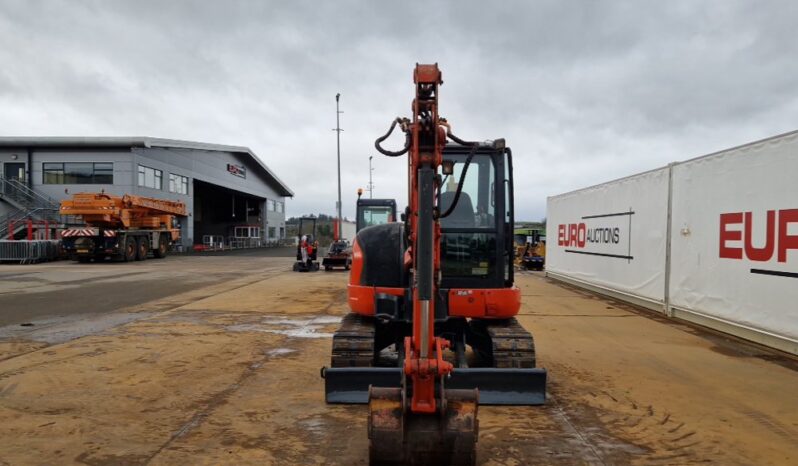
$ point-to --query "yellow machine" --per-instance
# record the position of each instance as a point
(530, 248)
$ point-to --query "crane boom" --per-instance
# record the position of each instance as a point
(155, 205)
(108, 211)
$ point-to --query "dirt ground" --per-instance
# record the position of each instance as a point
(228, 373)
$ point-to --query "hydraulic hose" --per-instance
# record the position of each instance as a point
(391, 153)
(474, 146)
(458, 140)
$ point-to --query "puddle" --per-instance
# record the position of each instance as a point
(294, 328)
(65, 328)
(277, 352)
(323, 320)
(315, 425)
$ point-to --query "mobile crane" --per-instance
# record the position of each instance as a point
(123, 227)
(423, 290)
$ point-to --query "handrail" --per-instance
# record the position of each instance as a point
(20, 215)
(34, 204)
(24, 194)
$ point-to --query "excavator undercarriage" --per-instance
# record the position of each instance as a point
(497, 370)
(497, 357)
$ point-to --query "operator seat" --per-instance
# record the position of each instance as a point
(456, 247)
(463, 214)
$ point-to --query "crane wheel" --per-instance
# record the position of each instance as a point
(397, 436)
(163, 247)
(129, 253)
(143, 247)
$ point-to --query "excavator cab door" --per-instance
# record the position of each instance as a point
(474, 239)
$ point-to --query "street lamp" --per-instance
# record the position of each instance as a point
(371, 185)
(338, 141)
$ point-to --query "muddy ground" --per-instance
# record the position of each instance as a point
(224, 369)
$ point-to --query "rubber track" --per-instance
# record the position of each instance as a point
(513, 346)
(353, 342)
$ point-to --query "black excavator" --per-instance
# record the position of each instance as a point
(307, 246)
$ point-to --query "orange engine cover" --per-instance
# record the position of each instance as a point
(483, 303)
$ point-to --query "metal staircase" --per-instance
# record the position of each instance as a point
(29, 204)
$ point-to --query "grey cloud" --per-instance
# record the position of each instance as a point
(583, 91)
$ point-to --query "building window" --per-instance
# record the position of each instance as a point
(178, 184)
(270, 205)
(280, 206)
(272, 232)
(282, 232)
(150, 177)
(52, 173)
(78, 173)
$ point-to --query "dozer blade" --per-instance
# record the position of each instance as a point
(397, 436)
(334, 262)
(527, 387)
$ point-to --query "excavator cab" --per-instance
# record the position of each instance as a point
(476, 241)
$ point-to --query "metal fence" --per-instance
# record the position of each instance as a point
(213, 242)
(220, 243)
(29, 252)
(241, 243)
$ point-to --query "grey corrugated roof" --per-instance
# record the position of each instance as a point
(138, 141)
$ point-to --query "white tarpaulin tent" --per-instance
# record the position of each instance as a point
(612, 235)
(713, 240)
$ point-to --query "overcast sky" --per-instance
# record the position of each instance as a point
(584, 92)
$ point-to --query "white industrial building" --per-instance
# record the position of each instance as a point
(223, 187)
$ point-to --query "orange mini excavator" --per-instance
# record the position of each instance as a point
(432, 332)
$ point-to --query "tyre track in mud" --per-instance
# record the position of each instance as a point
(294, 346)
(622, 391)
(209, 405)
(148, 310)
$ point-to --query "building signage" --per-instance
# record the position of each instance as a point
(741, 237)
(605, 235)
(237, 170)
